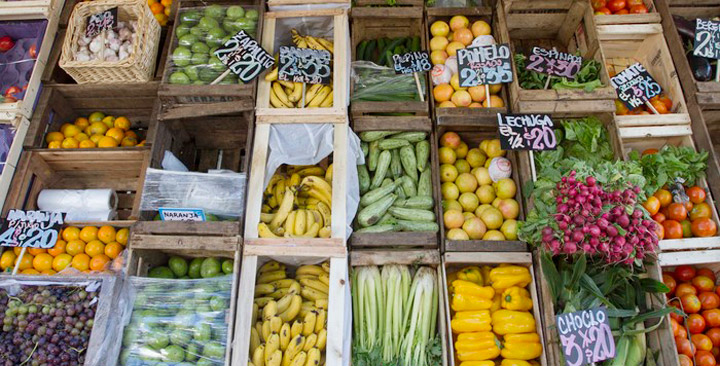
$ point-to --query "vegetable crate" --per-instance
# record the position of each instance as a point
(334, 3)
(337, 348)
(568, 30)
(426, 239)
(59, 104)
(13, 132)
(403, 3)
(656, 138)
(201, 100)
(122, 171)
(412, 258)
(472, 135)
(475, 116)
(330, 25)
(258, 181)
(148, 251)
(30, 9)
(455, 261)
(652, 16)
(624, 45)
(372, 23)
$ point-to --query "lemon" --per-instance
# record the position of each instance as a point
(109, 121)
(54, 136)
(97, 128)
(107, 141)
(96, 117)
(122, 123)
(70, 143)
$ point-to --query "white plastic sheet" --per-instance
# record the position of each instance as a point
(80, 204)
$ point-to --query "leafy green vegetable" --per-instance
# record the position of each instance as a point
(588, 78)
(670, 163)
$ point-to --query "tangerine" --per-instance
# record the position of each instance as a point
(29, 272)
(61, 261)
(116, 133)
(98, 262)
(122, 123)
(112, 250)
(58, 249)
(26, 261)
(70, 143)
(443, 92)
(106, 234)
(54, 145)
(71, 233)
(75, 247)
(82, 122)
(94, 248)
(7, 259)
(81, 262)
(43, 262)
(122, 236)
(107, 141)
(87, 144)
(54, 136)
(36, 251)
(88, 233)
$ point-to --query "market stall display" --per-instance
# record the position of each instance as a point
(13, 134)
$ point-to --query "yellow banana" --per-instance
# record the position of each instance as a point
(312, 294)
(294, 288)
(259, 355)
(277, 295)
(312, 232)
(300, 222)
(309, 269)
(302, 43)
(283, 283)
(320, 322)
(265, 232)
(275, 100)
(290, 223)
(268, 277)
(258, 329)
(292, 310)
(328, 102)
(264, 289)
(272, 75)
(266, 330)
(321, 95)
(277, 88)
(317, 217)
(314, 44)
(311, 92)
(325, 212)
(275, 359)
(313, 357)
(295, 180)
(287, 84)
(272, 202)
(273, 180)
(321, 304)
(272, 345)
(250, 363)
(325, 266)
(313, 181)
(328, 45)
(266, 217)
(255, 311)
(325, 279)
(329, 174)
(314, 192)
(279, 191)
(309, 323)
(299, 359)
(284, 303)
(275, 324)
(310, 342)
(284, 336)
(296, 345)
(254, 340)
(270, 310)
(315, 170)
(296, 328)
(315, 285)
(271, 267)
(309, 220)
(321, 339)
(284, 209)
(296, 92)
(265, 208)
(325, 232)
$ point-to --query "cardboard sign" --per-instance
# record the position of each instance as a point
(526, 132)
(99, 22)
(244, 56)
(707, 39)
(485, 65)
(585, 336)
(304, 65)
(634, 86)
(554, 63)
(31, 229)
(182, 214)
(412, 62)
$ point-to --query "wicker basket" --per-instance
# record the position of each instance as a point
(138, 67)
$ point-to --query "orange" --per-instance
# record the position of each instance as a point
(131, 134)
(122, 122)
(157, 8)
(87, 144)
(54, 136)
(96, 138)
(70, 143)
(81, 137)
(36, 251)
(97, 128)
(107, 234)
(54, 145)
(7, 260)
(98, 262)
(464, 36)
(652, 205)
(61, 261)
(71, 233)
(48, 272)
(63, 127)
(71, 130)
(17, 251)
(495, 102)
(88, 233)
(75, 247)
(122, 236)
(81, 262)
(82, 122)
(458, 22)
(107, 141)
(58, 249)
(94, 248)
(664, 196)
(43, 262)
(128, 142)
(443, 92)
(166, 3)
(112, 250)
(480, 28)
(26, 262)
(29, 271)
(109, 121)
(116, 133)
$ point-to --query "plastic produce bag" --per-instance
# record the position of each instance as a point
(373, 83)
(174, 321)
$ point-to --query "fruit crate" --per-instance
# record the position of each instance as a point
(331, 24)
(412, 258)
(201, 100)
(564, 29)
(13, 132)
(453, 261)
(476, 116)
(370, 23)
(122, 171)
(339, 313)
(400, 3)
(60, 104)
(401, 239)
(472, 135)
(656, 138)
(624, 45)
(332, 3)
(652, 16)
(30, 9)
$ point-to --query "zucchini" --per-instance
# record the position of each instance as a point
(386, 181)
(412, 214)
(419, 202)
(408, 185)
(425, 184)
(364, 148)
(387, 219)
(363, 178)
(422, 154)
(370, 136)
(409, 162)
(407, 225)
(383, 163)
(395, 164)
(373, 213)
(389, 144)
(376, 229)
(373, 155)
(400, 192)
(410, 136)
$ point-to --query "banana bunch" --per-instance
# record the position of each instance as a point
(290, 316)
(297, 205)
(287, 94)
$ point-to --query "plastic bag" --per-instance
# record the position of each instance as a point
(173, 321)
(373, 83)
(18, 63)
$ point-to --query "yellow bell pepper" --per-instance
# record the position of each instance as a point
(512, 322)
(464, 302)
(507, 362)
(477, 363)
(497, 302)
(478, 346)
(471, 288)
(485, 271)
(516, 298)
(521, 346)
(471, 274)
(471, 321)
(451, 277)
(508, 276)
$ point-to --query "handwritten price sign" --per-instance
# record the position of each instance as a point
(707, 39)
(304, 65)
(412, 62)
(99, 22)
(182, 214)
(526, 132)
(554, 63)
(634, 86)
(32, 229)
(585, 336)
(484, 65)
(244, 56)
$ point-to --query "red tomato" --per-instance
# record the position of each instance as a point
(603, 11)
(622, 12)
(685, 273)
(673, 229)
(709, 300)
(716, 352)
(717, 290)
(631, 3)
(670, 282)
(668, 102)
(696, 194)
(704, 227)
(701, 342)
(712, 317)
(659, 217)
(691, 304)
(32, 51)
(682, 333)
(677, 211)
(714, 334)
(678, 318)
(642, 9)
(684, 347)
(675, 326)
(705, 358)
(12, 90)
(685, 360)
(707, 272)
(703, 283)
(685, 289)
(616, 5)
(6, 43)
(696, 323)
(597, 4)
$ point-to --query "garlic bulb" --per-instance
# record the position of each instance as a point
(114, 44)
(84, 41)
(125, 34)
(82, 55)
(96, 45)
(109, 55)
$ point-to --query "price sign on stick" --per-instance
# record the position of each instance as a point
(412, 62)
(526, 132)
(484, 65)
(585, 336)
(707, 41)
(304, 65)
(182, 214)
(99, 22)
(554, 63)
(634, 86)
(30, 229)
(244, 57)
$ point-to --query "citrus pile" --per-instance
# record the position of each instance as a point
(86, 249)
(161, 10)
(97, 130)
(681, 219)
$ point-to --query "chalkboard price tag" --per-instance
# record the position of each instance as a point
(585, 336)
(526, 132)
(485, 65)
(707, 38)
(244, 56)
(412, 62)
(99, 22)
(304, 65)
(554, 63)
(182, 214)
(634, 86)
(31, 229)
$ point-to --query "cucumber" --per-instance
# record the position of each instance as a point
(425, 184)
(422, 154)
(364, 148)
(376, 229)
(373, 155)
(412, 214)
(410, 136)
(363, 178)
(409, 162)
(395, 164)
(390, 47)
(387, 219)
(415, 44)
(383, 163)
(368, 54)
(400, 192)
(407, 225)
(419, 202)
(408, 186)
(372, 214)
(360, 52)
(388, 58)
(389, 144)
(382, 42)
(370, 136)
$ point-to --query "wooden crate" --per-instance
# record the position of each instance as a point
(456, 260)
(402, 3)
(30, 9)
(472, 135)
(657, 137)
(336, 242)
(374, 22)
(123, 171)
(430, 258)
(60, 104)
(652, 16)
(202, 100)
(7, 168)
(475, 116)
(401, 239)
(624, 45)
(335, 3)
(565, 29)
(272, 40)
(339, 311)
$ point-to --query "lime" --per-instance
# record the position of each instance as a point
(181, 56)
(210, 267)
(203, 332)
(187, 40)
(190, 17)
(191, 352)
(235, 11)
(199, 47)
(194, 268)
(178, 265)
(214, 350)
(227, 266)
(157, 340)
(174, 354)
(180, 337)
(215, 11)
(161, 272)
(252, 14)
(199, 59)
(208, 23)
